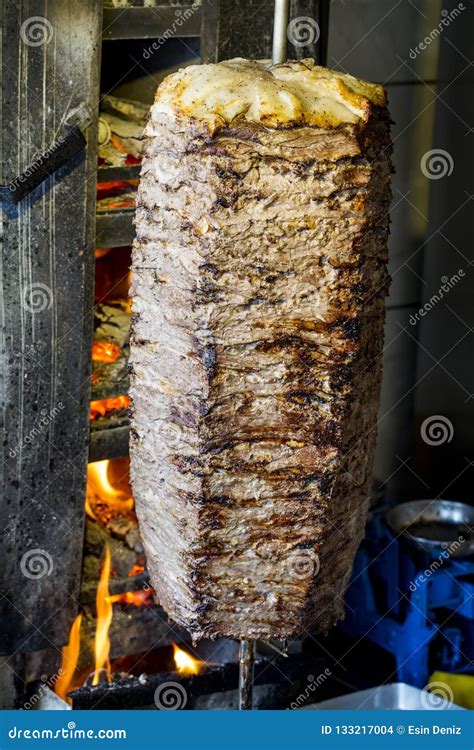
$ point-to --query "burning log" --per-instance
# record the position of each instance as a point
(110, 352)
(108, 492)
(119, 585)
(120, 131)
(133, 630)
(132, 110)
(123, 560)
(138, 692)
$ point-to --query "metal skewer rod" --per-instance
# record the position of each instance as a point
(280, 30)
(246, 663)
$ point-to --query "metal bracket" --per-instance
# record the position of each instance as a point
(68, 143)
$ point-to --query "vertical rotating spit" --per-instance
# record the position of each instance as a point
(279, 55)
(280, 29)
(246, 665)
(247, 648)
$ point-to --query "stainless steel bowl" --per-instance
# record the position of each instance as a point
(435, 525)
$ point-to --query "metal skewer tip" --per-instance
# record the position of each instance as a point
(280, 30)
(246, 664)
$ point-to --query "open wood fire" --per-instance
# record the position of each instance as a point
(111, 331)
(108, 496)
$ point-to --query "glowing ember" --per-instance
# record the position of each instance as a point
(136, 570)
(136, 598)
(108, 404)
(101, 252)
(105, 351)
(69, 657)
(104, 618)
(185, 664)
(118, 144)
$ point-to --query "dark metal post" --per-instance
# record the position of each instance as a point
(246, 665)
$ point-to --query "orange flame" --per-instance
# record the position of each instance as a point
(185, 663)
(69, 657)
(98, 477)
(89, 511)
(102, 406)
(128, 303)
(104, 499)
(104, 618)
(105, 351)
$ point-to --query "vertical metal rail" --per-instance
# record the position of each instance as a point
(246, 665)
(280, 29)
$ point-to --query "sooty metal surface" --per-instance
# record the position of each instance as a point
(46, 283)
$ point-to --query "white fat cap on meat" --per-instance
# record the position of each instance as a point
(296, 93)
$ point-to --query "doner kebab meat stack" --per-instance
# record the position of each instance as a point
(258, 284)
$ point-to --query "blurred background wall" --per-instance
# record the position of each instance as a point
(421, 51)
